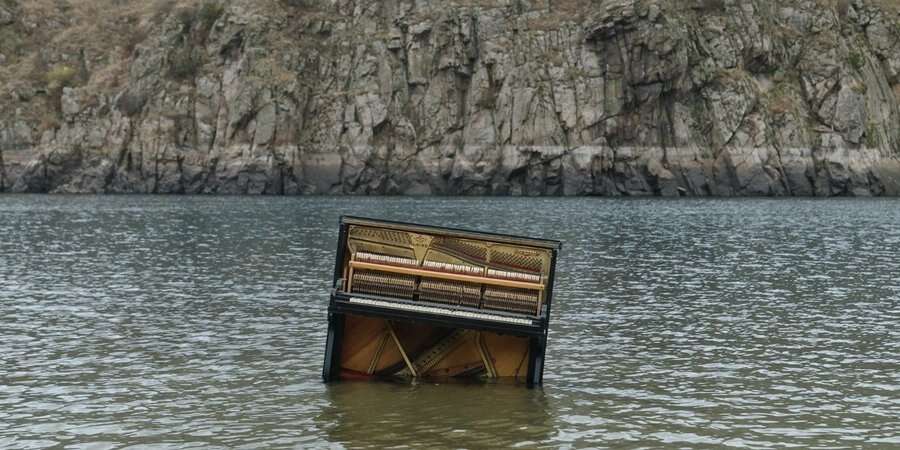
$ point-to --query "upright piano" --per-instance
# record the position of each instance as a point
(418, 301)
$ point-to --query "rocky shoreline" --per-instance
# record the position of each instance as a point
(476, 97)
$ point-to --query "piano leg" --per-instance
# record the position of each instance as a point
(535, 361)
(332, 368)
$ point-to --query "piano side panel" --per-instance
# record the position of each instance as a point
(331, 366)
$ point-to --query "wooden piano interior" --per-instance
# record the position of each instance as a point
(418, 270)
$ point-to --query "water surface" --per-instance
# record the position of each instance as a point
(163, 322)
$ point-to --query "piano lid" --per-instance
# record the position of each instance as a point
(454, 232)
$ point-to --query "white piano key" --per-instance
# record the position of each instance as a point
(439, 310)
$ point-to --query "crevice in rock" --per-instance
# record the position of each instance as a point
(2, 172)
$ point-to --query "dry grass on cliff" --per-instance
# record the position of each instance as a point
(92, 36)
(481, 3)
(550, 15)
(74, 43)
(888, 5)
(842, 7)
(99, 23)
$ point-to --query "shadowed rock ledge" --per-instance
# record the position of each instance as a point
(504, 97)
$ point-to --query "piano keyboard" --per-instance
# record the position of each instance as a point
(440, 311)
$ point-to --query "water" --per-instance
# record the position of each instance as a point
(162, 322)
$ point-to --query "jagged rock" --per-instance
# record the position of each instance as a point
(6, 16)
(617, 97)
(69, 103)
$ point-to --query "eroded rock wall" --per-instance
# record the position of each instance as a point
(505, 97)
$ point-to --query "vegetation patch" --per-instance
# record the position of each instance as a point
(186, 17)
(196, 23)
(871, 134)
(481, 3)
(10, 41)
(57, 78)
(209, 13)
(729, 76)
(710, 6)
(197, 20)
(60, 77)
(779, 99)
(131, 104)
(299, 3)
(856, 60)
(48, 121)
(842, 7)
(183, 65)
(546, 15)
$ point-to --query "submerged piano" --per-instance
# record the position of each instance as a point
(429, 302)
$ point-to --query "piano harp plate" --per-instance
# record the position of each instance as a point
(415, 301)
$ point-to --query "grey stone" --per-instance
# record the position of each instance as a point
(625, 98)
(7, 16)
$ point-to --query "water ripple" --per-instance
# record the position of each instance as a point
(180, 322)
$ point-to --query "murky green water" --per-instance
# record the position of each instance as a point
(162, 322)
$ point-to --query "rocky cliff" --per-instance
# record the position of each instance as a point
(504, 97)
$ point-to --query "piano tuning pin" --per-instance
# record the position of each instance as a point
(461, 248)
(517, 261)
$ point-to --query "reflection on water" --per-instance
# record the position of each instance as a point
(436, 416)
(199, 321)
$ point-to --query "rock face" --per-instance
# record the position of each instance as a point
(498, 97)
